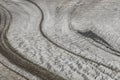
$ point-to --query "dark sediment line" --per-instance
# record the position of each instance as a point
(14, 71)
(14, 57)
(42, 32)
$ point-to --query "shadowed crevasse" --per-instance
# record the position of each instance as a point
(91, 35)
(95, 37)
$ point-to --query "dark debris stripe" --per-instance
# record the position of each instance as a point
(71, 52)
(14, 56)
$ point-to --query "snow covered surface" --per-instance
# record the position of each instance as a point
(61, 39)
